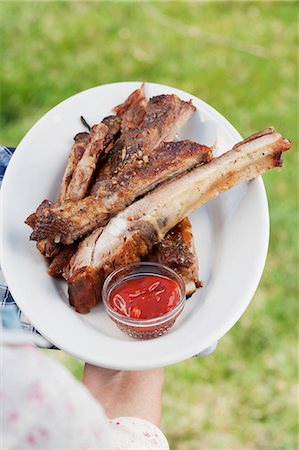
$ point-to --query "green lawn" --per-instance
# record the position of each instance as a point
(241, 58)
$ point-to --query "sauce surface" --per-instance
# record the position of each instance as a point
(145, 297)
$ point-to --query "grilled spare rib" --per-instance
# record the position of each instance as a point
(80, 142)
(89, 148)
(46, 246)
(85, 168)
(132, 111)
(129, 158)
(61, 260)
(177, 251)
(76, 219)
(77, 176)
(132, 233)
(165, 115)
(71, 186)
(76, 153)
(130, 115)
(101, 140)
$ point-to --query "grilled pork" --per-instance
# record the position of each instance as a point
(84, 170)
(132, 111)
(47, 246)
(131, 153)
(75, 219)
(165, 115)
(82, 160)
(113, 124)
(77, 176)
(131, 235)
(61, 260)
(176, 250)
(130, 114)
(101, 140)
(76, 153)
(32, 219)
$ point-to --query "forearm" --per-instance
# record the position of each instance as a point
(126, 393)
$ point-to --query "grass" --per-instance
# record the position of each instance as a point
(241, 58)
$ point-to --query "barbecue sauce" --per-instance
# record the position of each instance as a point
(145, 297)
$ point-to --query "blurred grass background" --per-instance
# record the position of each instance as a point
(241, 58)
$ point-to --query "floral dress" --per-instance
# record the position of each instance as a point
(45, 407)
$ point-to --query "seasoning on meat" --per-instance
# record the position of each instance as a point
(71, 220)
(176, 250)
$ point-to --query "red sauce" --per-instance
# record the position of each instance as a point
(145, 297)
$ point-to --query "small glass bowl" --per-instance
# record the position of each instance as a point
(143, 328)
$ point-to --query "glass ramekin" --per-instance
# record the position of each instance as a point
(143, 328)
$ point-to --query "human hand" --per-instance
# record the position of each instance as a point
(127, 393)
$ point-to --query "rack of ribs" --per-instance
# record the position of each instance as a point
(132, 234)
(132, 112)
(81, 141)
(166, 161)
(87, 150)
(67, 222)
(169, 159)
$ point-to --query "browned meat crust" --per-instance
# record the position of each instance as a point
(84, 170)
(46, 246)
(130, 115)
(62, 260)
(76, 153)
(147, 221)
(134, 99)
(177, 251)
(72, 220)
(32, 219)
(165, 115)
(113, 124)
(132, 111)
(80, 175)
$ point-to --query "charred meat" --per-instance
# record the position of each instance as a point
(76, 153)
(165, 115)
(61, 260)
(73, 220)
(132, 111)
(176, 250)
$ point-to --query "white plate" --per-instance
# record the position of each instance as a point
(231, 235)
